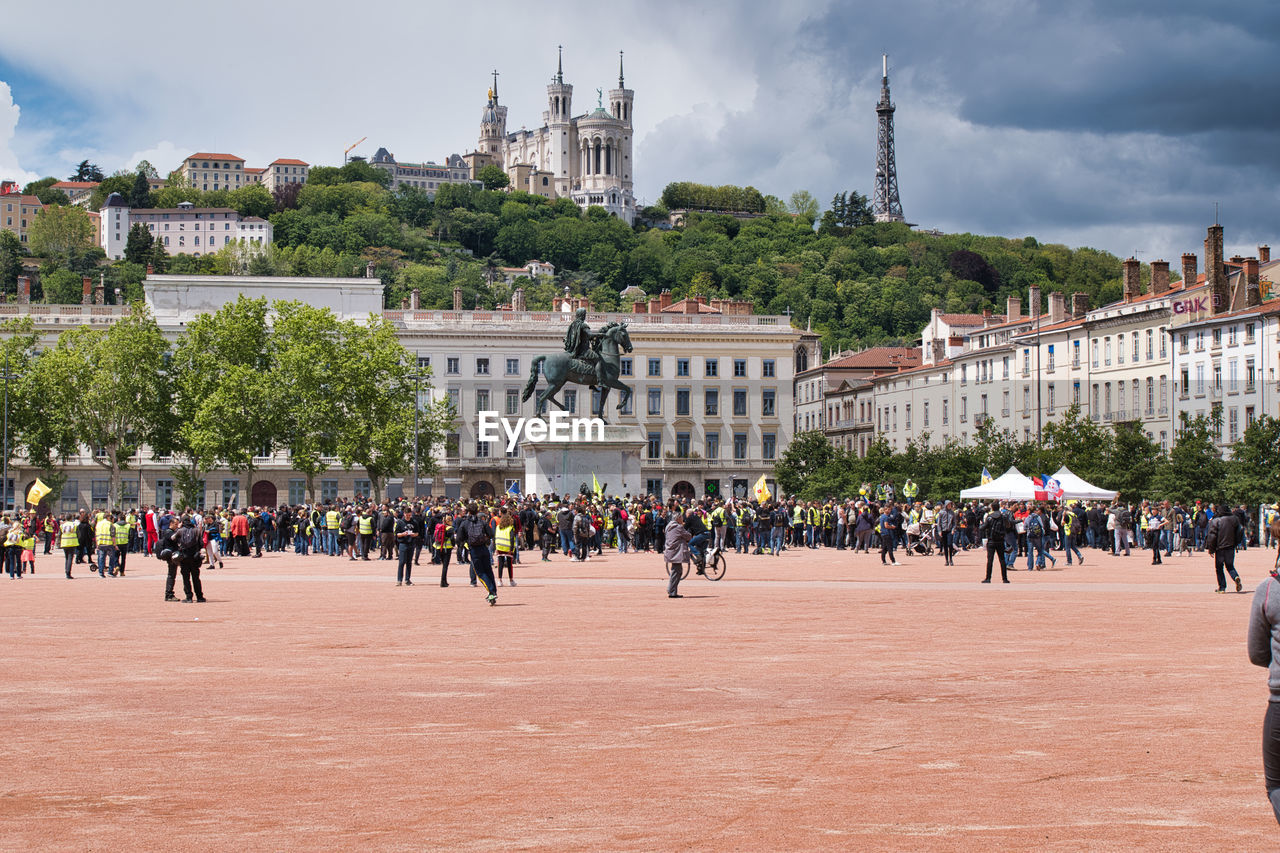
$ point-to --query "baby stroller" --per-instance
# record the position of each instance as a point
(920, 539)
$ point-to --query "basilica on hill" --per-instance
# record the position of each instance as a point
(585, 157)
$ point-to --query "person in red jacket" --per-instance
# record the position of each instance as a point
(153, 535)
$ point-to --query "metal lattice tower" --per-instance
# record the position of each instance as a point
(885, 205)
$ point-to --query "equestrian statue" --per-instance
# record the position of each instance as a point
(589, 358)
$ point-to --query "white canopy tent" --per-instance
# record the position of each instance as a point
(1011, 485)
(1075, 488)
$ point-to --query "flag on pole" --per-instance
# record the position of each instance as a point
(762, 490)
(1052, 488)
(38, 491)
(595, 485)
(514, 488)
(986, 475)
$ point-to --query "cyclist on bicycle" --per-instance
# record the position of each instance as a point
(697, 527)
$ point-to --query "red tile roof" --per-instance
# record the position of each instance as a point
(255, 169)
(886, 357)
(962, 319)
(74, 185)
(285, 161)
(679, 308)
(201, 155)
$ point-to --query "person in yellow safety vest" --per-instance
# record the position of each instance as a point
(365, 526)
(50, 528)
(718, 527)
(865, 491)
(28, 556)
(69, 540)
(812, 524)
(332, 519)
(131, 541)
(104, 540)
(442, 536)
(12, 546)
(910, 489)
(504, 545)
(122, 531)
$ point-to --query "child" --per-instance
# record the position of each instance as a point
(505, 545)
(28, 554)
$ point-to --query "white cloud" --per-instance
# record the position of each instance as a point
(9, 115)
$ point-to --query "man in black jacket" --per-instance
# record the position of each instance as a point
(993, 528)
(1220, 541)
(474, 530)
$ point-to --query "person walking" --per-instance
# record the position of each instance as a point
(474, 531)
(676, 553)
(887, 528)
(1221, 538)
(443, 538)
(994, 527)
(403, 533)
(504, 545)
(1068, 536)
(1036, 527)
(1264, 651)
(69, 541)
(945, 524)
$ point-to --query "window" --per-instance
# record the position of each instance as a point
(1075, 353)
(455, 399)
(1106, 349)
(1217, 337)
(1026, 361)
(682, 445)
(628, 406)
(571, 401)
(768, 398)
(482, 399)
(712, 398)
(655, 367)
(713, 444)
(655, 401)
(1164, 341)
(297, 492)
(653, 487)
(768, 445)
(424, 362)
(946, 416)
(164, 493)
(1249, 416)
(513, 401)
(513, 367)
(739, 402)
(1026, 401)
(624, 366)
(1248, 333)
(906, 414)
(452, 445)
(1006, 367)
(1106, 391)
(926, 414)
(739, 368)
(99, 493)
(1151, 352)
(483, 451)
(1075, 393)
(1119, 349)
(712, 368)
(655, 445)
(964, 409)
(452, 365)
(231, 492)
(1096, 408)
(739, 446)
(482, 367)
(1164, 394)
(682, 402)
(682, 367)
(1050, 357)
(1233, 424)
(362, 487)
(1134, 343)
(768, 368)
(1095, 352)
(1151, 396)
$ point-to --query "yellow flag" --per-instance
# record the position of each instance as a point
(38, 491)
(762, 490)
(595, 485)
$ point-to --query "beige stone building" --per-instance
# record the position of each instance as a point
(18, 212)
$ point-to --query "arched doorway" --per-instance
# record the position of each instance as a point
(263, 493)
(683, 490)
(482, 489)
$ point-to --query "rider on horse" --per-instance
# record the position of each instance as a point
(582, 343)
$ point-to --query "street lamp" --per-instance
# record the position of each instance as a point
(4, 478)
(417, 376)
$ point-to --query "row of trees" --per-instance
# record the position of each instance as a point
(236, 385)
(1120, 457)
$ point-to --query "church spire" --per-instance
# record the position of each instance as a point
(621, 84)
(559, 63)
(493, 96)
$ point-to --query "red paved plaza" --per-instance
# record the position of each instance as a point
(810, 701)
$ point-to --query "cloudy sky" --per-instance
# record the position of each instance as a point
(1117, 124)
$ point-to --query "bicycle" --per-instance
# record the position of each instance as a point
(713, 572)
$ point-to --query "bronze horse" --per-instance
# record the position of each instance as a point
(562, 368)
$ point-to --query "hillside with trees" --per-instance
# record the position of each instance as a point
(855, 281)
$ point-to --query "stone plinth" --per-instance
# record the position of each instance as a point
(563, 466)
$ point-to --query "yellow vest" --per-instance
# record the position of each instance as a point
(122, 533)
(502, 539)
(104, 532)
(29, 543)
(331, 519)
(366, 525)
(70, 536)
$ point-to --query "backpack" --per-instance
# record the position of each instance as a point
(996, 527)
(1035, 527)
(1124, 519)
(188, 541)
(440, 534)
(581, 526)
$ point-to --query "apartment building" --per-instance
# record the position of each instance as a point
(285, 171)
(817, 408)
(182, 230)
(213, 171)
(18, 212)
(427, 176)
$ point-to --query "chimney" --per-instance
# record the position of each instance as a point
(404, 304)
(151, 270)
(691, 305)
(1238, 260)
(457, 299)
(86, 294)
(654, 305)
(1264, 254)
(1033, 301)
(1013, 309)
(1132, 287)
(1057, 307)
(986, 313)
(415, 299)
(24, 290)
(639, 306)
(664, 299)
(517, 300)
(99, 292)
(1252, 286)
(1079, 305)
(1214, 273)
(1189, 273)
(1159, 277)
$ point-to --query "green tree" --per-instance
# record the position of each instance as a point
(122, 184)
(58, 233)
(253, 200)
(104, 387)
(1132, 461)
(493, 178)
(1195, 469)
(808, 456)
(10, 261)
(43, 190)
(140, 192)
(62, 287)
(804, 205)
(138, 245)
(145, 169)
(86, 171)
(305, 349)
(1255, 459)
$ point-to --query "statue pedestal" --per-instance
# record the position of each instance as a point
(563, 466)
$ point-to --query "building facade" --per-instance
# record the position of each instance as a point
(212, 171)
(585, 157)
(285, 170)
(18, 212)
(427, 176)
(182, 230)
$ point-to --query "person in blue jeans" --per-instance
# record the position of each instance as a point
(1036, 526)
